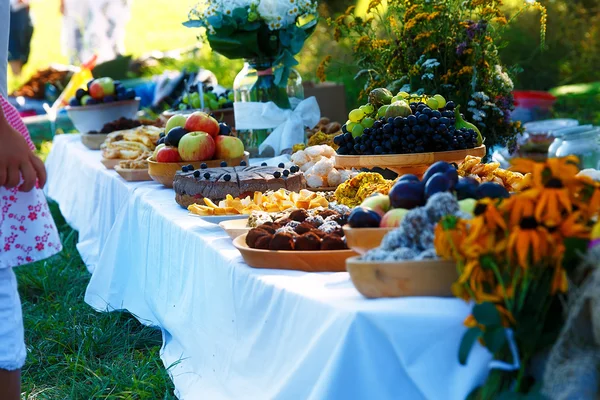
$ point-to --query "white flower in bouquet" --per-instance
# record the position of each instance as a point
(503, 78)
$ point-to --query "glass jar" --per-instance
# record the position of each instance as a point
(585, 145)
(561, 133)
(256, 83)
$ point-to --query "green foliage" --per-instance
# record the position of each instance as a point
(572, 52)
(75, 352)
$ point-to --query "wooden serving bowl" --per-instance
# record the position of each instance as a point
(362, 240)
(93, 141)
(165, 172)
(402, 164)
(374, 279)
(309, 261)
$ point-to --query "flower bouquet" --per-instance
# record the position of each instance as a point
(513, 261)
(267, 34)
(437, 46)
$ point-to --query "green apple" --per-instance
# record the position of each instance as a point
(467, 205)
(175, 121)
(393, 218)
(160, 146)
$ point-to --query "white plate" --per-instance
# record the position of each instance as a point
(215, 219)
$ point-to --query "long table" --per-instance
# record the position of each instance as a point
(234, 332)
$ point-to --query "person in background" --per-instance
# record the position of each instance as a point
(21, 31)
(27, 231)
(94, 27)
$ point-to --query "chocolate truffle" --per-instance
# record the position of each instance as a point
(298, 215)
(333, 242)
(282, 241)
(327, 213)
(271, 229)
(308, 241)
(263, 242)
(253, 235)
(304, 228)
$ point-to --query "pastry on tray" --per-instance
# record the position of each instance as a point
(131, 144)
(216, 183)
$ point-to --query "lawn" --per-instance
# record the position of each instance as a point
(75, 352)
(154, 25)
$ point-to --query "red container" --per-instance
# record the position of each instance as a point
(531, 105)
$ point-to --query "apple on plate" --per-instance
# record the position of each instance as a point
(393, 218)
(228, 147)
(168, 155)
(175, 121)
(202, 122)
(380, 203)
(196, 146)
(102, 87)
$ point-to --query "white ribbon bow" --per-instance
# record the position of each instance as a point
(289, 125)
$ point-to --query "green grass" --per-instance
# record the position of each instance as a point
(75, 352)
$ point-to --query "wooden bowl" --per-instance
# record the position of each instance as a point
(235, 227)
(165, 172)
(93, 118)
(362, 240)
(93, 141)
(374, 279)
(133, 175)
(309, 261)
(407, 163)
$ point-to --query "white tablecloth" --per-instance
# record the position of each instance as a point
(234, 332)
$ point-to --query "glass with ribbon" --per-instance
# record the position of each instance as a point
(256, 83)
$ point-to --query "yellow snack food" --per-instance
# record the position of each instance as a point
(352, 192)
(278, 201)
(512, 181)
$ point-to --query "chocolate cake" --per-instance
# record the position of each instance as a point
(217, 183)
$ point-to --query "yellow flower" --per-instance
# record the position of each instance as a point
(553, 201)
(422, 35)
(322, 67)
(529, 240)
(449, 235)
(431, 47)
(465, 71)
(501, 20)
(490, 214)
(433, 15)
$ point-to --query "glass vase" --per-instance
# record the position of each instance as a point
(256, 83)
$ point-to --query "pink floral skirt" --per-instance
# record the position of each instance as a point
(27, 230)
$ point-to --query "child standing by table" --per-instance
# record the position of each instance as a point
(27, 231)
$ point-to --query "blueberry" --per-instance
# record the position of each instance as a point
(206, 175)
(243, 163)
(110, 99)
(423, 118)
(184, 168)
(74, 102)
(286, 172)
(436, 113)
(294, 169)
(412, 120)
(227, 177)
(263, 164)
(203, 166)
(223, 164)
(197, 174)
(281, 165)
(450, 105)
(130, 94)
(277, 174)
(339, 139)
(190, 167)
(348, 137)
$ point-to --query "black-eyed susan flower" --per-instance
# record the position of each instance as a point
(520, 206)
(449, 235)
(529, 240)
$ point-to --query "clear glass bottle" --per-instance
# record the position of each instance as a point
(585, 145)
(256, 83)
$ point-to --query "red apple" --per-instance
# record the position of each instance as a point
(393, 218)
(379, 203)
(168, 155)
(228, 147)
(202, 122)
(196, 146)
(96, 90)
